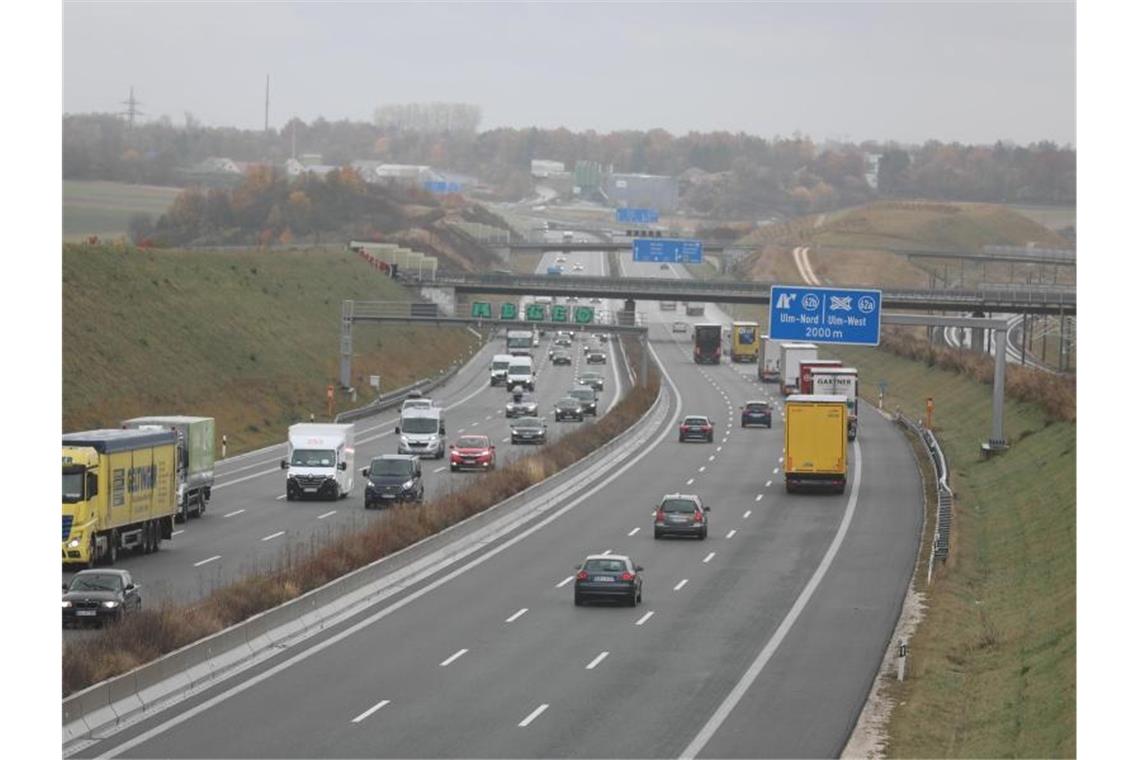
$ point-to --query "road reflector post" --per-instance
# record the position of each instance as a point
(902, 653)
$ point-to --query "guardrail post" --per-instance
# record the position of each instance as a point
(643, 376)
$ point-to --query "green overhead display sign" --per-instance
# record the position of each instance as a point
(534, 312)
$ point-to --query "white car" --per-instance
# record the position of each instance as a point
(577, 267)
(560, 260)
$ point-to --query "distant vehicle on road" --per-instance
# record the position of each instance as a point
(595, 357)
(696, 427)
(756, 413)
(528, 430)
(319, 461)
(99, 596)
(560, 357)
(681, 515)
(392, 477)
(473, 452)
(706, 343)
(608, 576)
(593, 379)
(568, 408)
(587, 397)
(577, 267)
(521, 405)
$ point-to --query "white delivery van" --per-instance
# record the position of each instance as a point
(520, 372)
(320, 460)
(422, 432)
(499, 364)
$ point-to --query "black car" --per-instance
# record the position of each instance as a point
(587, 397)
(568, 409)
(560, 357)
(521, 405)
(97, 596)
(393, 477)
(595, 357)
(528, 430)
(756, 413)
(681, 515)
(594, 380)
(696, 428)
(608, 576)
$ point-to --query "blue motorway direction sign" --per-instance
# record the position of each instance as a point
(638, 215)
(665, 249)
(825, 315)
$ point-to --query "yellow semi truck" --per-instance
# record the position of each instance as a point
(119, 493)
(745, 342)
(815, 442)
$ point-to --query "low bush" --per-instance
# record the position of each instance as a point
(152, 633)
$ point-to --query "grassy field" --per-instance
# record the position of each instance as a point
(249, 338)
(104, 208)
(993, 665)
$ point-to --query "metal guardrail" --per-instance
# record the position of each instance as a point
(395, 398)
(940, 547)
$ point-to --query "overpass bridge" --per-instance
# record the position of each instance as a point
(992, 300)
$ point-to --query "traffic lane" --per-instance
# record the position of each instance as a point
(833, 651)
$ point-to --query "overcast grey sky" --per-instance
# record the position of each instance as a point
(972, 72)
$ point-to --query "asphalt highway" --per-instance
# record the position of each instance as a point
(761, 641)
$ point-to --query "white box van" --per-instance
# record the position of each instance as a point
(499, 364)
(422, 432)
(319, 462)
(520, 372)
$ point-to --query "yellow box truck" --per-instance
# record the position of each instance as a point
(119, 493)
(745, 342)
(815, 443)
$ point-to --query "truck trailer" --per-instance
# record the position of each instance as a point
(196, 458)
(769, 365)
(706, 343)
(319, 462)
(815, 443)
(520, 342)
(806, 366)
(791, 354)
(840, 381)
(745, 342)
(119, 493)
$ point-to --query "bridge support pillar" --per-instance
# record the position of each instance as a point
(346, 344)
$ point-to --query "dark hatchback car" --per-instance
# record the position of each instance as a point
(592, 379)
(393, 477)
(696, 428)
(568, 408)
(681, 515)
(756, 413)
(595, 357)
(528, 430)
(608, 576)
(560, 357)
(96, 596)
(587, 398)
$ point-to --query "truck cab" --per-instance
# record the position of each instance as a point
(320, 460)
(499, 364)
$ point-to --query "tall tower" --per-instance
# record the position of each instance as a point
(266, 104)
(132, 109)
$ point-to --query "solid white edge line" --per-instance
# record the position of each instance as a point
(370, 710)
(538, 711)
(453, 658)
(208, 560)
(516, 616)
(594, 662)
(722, 712)
(644, 617)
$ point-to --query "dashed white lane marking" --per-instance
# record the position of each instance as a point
(632, 532)
(731, 533)
(775, 470)
(279, 498)
(453, 658)
(681, 585)
(207, 561)
(594, 662)
(712, 457)
(759, 496)
(473, 424)
(644, 617)
(781, 460)
(538, 711)
(505, 439)
(440, 469)
(517, 615)
(707, 559)
(701, 468)
(768, 484)
(175, 533)
(272, 536)
(370, 710)
(607, 551)
(718, 448)
(747, 514)
(564, 581)
(488, 417)
(326, 514)
(689, 482)
(235, 512)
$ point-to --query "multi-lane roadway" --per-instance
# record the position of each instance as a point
(762, 640)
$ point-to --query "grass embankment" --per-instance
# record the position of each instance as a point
(103, 209)
(992, 671)
(152, 633)
(250, 338)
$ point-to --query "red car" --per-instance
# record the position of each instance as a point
(472, 452)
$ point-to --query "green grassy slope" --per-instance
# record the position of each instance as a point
(104, 208)
(993, 666)
(250, 338)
